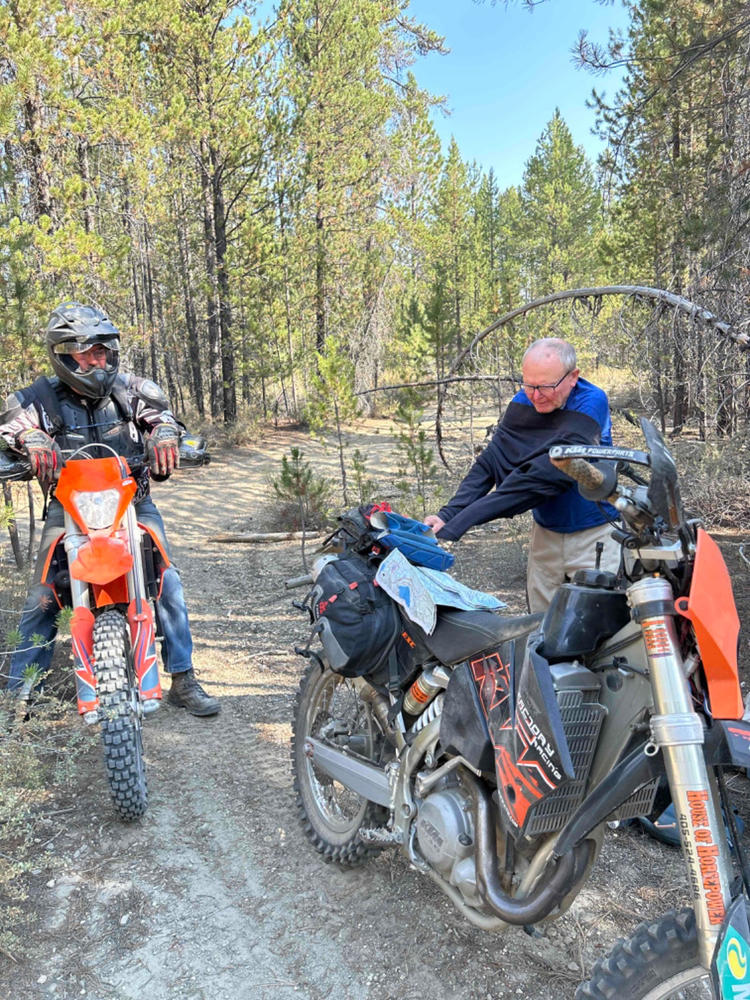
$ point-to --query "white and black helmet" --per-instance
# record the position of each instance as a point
(72, 329)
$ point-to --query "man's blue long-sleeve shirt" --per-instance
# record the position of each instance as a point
(514, 473)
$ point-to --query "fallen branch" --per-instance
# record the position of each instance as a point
(267, 536)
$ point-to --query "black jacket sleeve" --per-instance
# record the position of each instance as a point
(516, 463)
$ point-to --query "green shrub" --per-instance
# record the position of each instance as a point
(305, 498)
(418, 472)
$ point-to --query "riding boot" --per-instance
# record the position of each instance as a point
(187, 693)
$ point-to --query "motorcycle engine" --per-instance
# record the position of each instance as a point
(445, 834)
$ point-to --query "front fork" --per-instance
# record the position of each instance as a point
(81, 628)
(677, 730)
(140, 621)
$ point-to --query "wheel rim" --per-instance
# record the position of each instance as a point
(690, 984)
(336, 714)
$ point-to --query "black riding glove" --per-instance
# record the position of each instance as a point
(43, 454)
(163, 448)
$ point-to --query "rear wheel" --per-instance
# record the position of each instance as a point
(659, 962)
(120, 716)
(328, 708)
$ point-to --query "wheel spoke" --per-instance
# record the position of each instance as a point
(329, 709)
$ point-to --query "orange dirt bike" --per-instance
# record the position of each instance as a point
(494, 751)
(107, 567)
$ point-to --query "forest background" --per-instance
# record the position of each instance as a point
(265, 209)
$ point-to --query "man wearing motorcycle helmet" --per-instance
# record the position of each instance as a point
(89, 401)
(554, 405)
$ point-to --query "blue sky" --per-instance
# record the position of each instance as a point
(507, 71)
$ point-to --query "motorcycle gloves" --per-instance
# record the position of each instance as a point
(163, 450)
(43, 454)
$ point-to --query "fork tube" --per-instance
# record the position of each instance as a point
(79, 589)
(136, 582)
(677, 730)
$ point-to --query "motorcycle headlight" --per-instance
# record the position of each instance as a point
(97, 509)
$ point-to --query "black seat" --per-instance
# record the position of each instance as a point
(460, 634)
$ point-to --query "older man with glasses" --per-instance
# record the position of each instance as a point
(553, 406)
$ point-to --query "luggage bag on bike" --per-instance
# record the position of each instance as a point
(357, 621)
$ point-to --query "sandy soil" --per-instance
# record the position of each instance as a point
(216, 894)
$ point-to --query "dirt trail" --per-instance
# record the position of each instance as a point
(215, 894)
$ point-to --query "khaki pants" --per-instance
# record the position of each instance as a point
(554, 557)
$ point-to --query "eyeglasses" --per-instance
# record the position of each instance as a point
(529, 389)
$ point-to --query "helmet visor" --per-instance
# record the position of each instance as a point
(94, 353)
(110, 344)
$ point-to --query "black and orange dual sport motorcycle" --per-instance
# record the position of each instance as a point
(497, 751)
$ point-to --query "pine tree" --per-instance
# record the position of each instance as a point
(562, 214)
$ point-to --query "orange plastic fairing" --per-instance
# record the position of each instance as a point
(710, 607)
(48, 558)
(81, 632)
(102, 559)
(157, 543)
(89, 475)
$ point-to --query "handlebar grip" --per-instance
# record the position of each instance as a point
(298, 581)
(584, 473)
(14, 468)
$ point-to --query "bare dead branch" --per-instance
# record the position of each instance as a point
(438, 381)
(636, 292)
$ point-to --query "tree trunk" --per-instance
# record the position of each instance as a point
(229, 394)
(287, 300)
(40, 178)
(83, 167)
(15, 541)
(320, 271)
(212, 310)
(194, 351)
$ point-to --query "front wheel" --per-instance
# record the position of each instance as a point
(659, 962)
(328, 708)
(120, 717)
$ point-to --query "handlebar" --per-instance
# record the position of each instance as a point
(599, 483)
(13, 467)
(584, 473)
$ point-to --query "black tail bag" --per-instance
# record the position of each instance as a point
(357, 621)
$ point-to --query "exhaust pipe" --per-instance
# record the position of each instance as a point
(557, 880)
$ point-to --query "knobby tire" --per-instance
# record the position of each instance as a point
(659, 962)
(120, 720)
